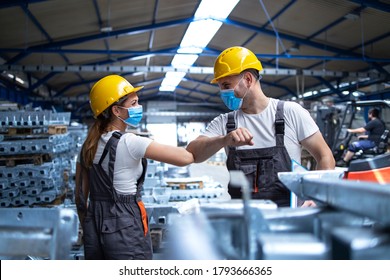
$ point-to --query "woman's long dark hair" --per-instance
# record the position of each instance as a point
(91, 142)
(97, 129)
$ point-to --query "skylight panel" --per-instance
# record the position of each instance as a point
(197, 37)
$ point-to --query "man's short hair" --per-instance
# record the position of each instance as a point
(374, 112)
(254, 72)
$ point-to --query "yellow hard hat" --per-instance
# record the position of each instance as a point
(107, 91)
(233, 61)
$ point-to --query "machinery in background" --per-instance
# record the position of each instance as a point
(355, 114)
(376, 169)
(328, 119)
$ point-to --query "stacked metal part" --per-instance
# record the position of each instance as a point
(351, 222)
(153, 180)
(35, 151)
(176, 185)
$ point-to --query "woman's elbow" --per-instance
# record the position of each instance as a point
(186, 160)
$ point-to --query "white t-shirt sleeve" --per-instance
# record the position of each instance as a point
(217, 127)
(302, 121)
(136, 145)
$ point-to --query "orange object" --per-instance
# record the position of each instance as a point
(144, 216)
(375, 169)
(381, 176)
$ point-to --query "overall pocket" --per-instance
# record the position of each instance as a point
(111, 225)
(250, 171)
(266, 174)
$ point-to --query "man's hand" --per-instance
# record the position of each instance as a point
(239, 137)
(309, 203)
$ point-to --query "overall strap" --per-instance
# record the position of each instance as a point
(114, 138)
(110, 149)
(231, 123)
(279, 123)
(140, 181)
(104, 188)
(112, 143)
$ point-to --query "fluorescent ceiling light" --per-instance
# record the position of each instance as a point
(215, 8)
(106, 29)
(19, 80)
(172, 79)
(200, 33)
(134, 74)
(197, 37)
(357, 93)
(184, 60)
(16, 78)
(140, 57)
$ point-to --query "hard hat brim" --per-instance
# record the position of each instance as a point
(137, 89)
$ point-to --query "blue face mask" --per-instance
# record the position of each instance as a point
(135, 115)
(230, 100)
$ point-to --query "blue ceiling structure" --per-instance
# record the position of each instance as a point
(273, 35)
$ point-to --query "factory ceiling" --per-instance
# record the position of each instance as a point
(52, 52)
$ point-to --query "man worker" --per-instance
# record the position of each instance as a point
(373, 131)
(261, 135)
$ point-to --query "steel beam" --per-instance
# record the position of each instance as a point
(367, 199)
(192, 70)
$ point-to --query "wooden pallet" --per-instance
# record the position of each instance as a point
(185, 184)
(57, 129)
(19, 130)
(11, 161)
(156, 236)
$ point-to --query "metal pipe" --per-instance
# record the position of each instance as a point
(237, 178)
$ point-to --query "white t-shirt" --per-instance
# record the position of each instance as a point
(128, 163)
(298, 126)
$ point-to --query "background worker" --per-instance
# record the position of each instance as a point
(262, 134)
(111, 172)
(373, 131)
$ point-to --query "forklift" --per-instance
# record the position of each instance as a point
(355, 115)
(368, 165)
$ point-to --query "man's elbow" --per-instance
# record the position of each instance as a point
(326, 162)
(191, 148)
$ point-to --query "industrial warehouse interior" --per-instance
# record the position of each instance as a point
(329, 58)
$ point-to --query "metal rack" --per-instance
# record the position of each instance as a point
(37, 232)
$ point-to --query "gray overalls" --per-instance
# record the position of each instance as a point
(115, 226)
(262, 165)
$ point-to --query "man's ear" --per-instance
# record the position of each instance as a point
(248, 77)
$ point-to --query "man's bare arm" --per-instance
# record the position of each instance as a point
(204, 147)
(317, 147)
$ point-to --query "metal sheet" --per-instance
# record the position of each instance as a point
(293, 180)
(362, 198)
